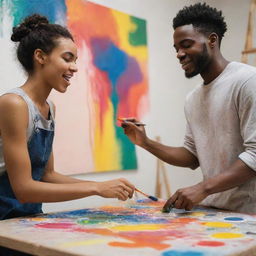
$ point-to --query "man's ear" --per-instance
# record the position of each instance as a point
(213, 40)
(40, 56)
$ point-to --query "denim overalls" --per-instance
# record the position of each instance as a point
(40, 137)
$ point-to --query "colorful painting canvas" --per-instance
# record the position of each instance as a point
(111, 82)
(137, 227)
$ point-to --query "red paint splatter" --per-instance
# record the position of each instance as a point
(138, 239)
(55, 225)
(211, 243)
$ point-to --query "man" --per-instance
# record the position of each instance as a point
(220, 114)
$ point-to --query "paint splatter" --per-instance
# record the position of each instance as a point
(233, 219)
(218, 224)
(198, 214)
(181, 253)
(82, 243)
(139, 227)
(55, 225)
(210, 243)
(227, 235)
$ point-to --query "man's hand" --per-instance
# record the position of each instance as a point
(186, 198)
(134, 131)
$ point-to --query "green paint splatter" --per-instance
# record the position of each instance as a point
(128, 158)
(138, 37)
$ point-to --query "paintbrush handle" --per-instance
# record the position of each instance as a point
(140, 124)
(153, 198)
(141, 192)
(123, 119)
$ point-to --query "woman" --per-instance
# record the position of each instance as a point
(48, 54)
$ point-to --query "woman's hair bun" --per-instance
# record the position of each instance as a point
(31, 23)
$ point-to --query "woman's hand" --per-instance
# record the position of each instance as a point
(121, 189)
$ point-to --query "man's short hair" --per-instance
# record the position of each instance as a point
(204, 18)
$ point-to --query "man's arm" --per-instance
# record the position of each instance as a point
(178, 156)
(243, 169)
(186, 198)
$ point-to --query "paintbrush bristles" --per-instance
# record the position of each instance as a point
(153, 198)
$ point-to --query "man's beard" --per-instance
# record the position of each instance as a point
(201, 62)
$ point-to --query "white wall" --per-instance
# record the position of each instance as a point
(168, 87)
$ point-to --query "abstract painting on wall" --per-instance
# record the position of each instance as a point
(111, 82)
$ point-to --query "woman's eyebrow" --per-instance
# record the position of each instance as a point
(70, 55)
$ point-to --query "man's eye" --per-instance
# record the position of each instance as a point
(186, 45)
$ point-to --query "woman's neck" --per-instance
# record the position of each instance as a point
(37, 90)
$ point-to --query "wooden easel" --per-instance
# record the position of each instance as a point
(161, 172)
(249, 49)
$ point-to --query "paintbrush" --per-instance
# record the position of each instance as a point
(123, 119)
(146, 195)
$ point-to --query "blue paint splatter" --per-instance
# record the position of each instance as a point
(54, 10)
(140, 207)
(109, 58)
(69, 214)
(116, 63)
(180, 253)
(143, 200)
(97, 216)
(234, 219)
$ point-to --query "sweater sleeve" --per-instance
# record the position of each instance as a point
(189, 143)
(247, 115)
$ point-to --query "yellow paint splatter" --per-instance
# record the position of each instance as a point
(106, 149)
(199, 214)
(82, 243)
(124, 27)
(227, 235)
(218, 224)
(140, 227)
(39, 219)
